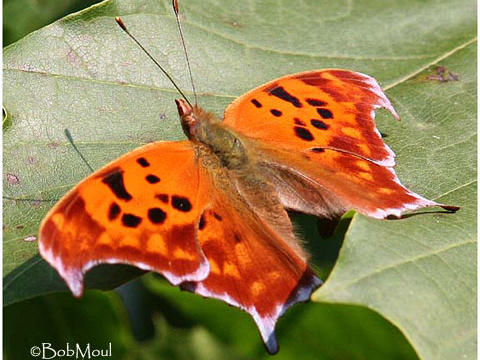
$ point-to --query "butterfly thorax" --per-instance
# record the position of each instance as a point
(203, 127)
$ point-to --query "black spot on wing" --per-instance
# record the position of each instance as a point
(162, 197)
(256, 103)
(130, 220)
(325, 113)
(156, 215)
(303, 133)
(281, 93)
(316, 102)
(217, 216)
(113, 211)
(299, 122)
(181, 203)
(152, 179)
(114, 181)
(276, 112)
(318, 150)
(319, 124)
(143, 162)
(237, 237)
(202, 223)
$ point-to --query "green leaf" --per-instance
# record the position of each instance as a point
(35, 277)
(84, 74)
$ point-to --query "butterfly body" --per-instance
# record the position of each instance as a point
(205, 129)
(209, 213)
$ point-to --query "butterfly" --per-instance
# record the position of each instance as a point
(209, 213)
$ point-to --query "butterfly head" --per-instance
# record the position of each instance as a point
(191, 117)
(187, 115)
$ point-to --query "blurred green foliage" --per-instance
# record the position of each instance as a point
(165, 323)
(21, 17)
(97, 319)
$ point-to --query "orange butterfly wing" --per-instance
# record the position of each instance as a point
(252, 264)
(316, 136)
(157, 209)
(328, 109)
(142, 209)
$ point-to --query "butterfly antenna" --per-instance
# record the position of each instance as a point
(124, 28)
(70, 140)
(179, 25)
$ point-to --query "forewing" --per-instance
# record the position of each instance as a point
(141, 209)
(331, 108)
